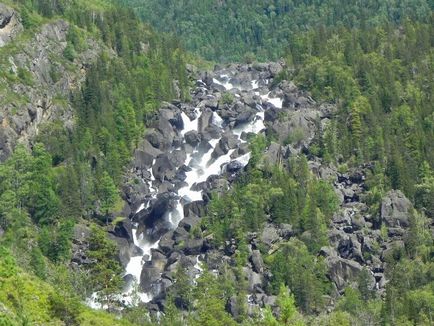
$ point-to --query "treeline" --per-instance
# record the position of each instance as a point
(236, 30)
(74, 173)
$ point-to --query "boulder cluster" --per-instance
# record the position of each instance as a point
(222, 102)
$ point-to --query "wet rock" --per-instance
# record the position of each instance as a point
(124, 249)
(211, 103)
(343, 272)
(273, 155)
(145, 155)
(275, 68)
(149, 276)
(189, 222)
(254, 280)
(153, 223)
(228, 141)
(192, 138)
(205, 120)
(285, 231)
(234, 166)
(163, 168)
(166, 243)
(350, 248)
(211, 132)
(123, 229)
(251, 100)
(232, 307)
(247, 115)
(172, 114)
(196, 208)
(269, 300)
(214, 258)
(218, 151)
(180, 235)
(177, 157)
(157, 140)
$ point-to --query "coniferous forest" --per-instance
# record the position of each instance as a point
(329, 223)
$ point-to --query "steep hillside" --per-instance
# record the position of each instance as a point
(139, 189)
(70, 72)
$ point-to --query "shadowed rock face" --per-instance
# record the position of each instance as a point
(10, 25)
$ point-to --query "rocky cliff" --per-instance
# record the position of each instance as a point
(36, 79)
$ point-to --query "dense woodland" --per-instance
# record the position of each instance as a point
(235, 30)
(373, 60)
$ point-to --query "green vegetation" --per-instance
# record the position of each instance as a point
(383, 92)
(239, 31)
(274, 195)
(372, 59)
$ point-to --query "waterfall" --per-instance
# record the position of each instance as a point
(202, 165)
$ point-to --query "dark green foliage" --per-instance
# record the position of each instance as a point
(38, 263)
(293, 197)
(383, 94)
(302, 272)
(65, 309)
(43, 200)
(55, 241)
(106, 269)
(239, 31)
(108, 193)
(69, 52)
(210, 308)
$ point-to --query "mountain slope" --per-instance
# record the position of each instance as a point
(238, 30)
(70, 72)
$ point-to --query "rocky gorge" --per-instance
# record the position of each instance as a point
(195, 149)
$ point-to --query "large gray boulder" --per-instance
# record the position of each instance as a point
(151, 272)
(344, 272)
(163, 168)
(145, 154)
(274, 154)
(395, 209)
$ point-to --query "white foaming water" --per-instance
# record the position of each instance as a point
(256, 126)
(217, 120)
(177, 214)
(226, 84)
(276, 101)
(201, 170)
(189, 125)
(198, 267)
(141, 207)
(244, 159)
(135, 266)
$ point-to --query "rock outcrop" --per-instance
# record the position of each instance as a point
(28, 104)
(10, 25)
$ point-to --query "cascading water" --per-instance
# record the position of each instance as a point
(202, 166)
